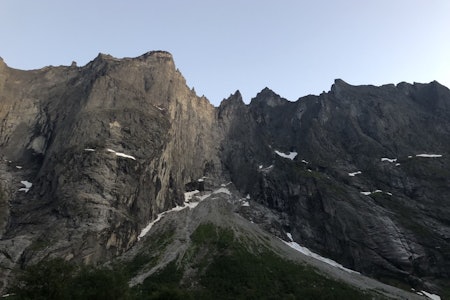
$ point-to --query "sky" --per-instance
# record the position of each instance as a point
(294, 47)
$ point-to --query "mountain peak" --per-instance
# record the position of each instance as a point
(268, 97)
(158, 53)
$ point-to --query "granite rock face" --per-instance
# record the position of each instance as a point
(359, 174)
(369, 182)
(106, 147)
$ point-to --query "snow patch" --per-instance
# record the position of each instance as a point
(245, 203)
(374, 192)
(429, 155)
(391, 160)
(397, 164)
(290, 236)
(305, 162)
(290, 156)
(431, 296)
(89, 150)
(121, 154)
(188, 195)
(19, 167)
(222, 190)
(354, 173)
(191, 205)
(309, 253)
(27, 185)
(266, 169)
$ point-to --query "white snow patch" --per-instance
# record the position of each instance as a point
(222, 190)
(121, 154)
(397, 164)
(19, 167)
(431, 296)
(376, 191)
(200, 180)
(27, 185)
(429, 155)
(247, 197)
(308, 252)
(150, 225)
(354, 173)
(245, 203)
(305, 162)
(191, 205)
(188, 195)
(289, 236)
(391, 160)
(225, 184)
(290, 156)
(89, 150)
(409, 156)
(266, 169)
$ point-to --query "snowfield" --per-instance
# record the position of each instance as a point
(121, 154)
(290, 156)
(27, 185)
(308, 252)
(354, 173)
(391, 160)
(429, 155)
(188, 196)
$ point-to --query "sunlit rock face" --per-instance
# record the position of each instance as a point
(106, 146)
(359, 174)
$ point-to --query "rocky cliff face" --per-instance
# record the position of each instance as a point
(359, 174)
(369, 181)
(106, 147)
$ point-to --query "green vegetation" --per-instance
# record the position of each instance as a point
(231, 271)
(209, 235)
(149, 256)
(221, 264)
(58, 279)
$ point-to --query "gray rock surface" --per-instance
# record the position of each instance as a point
(109, 145)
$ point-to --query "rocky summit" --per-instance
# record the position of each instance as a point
(120, 163)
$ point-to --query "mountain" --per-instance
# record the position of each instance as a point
(100, 161)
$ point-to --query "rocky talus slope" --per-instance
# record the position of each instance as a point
(90, 155)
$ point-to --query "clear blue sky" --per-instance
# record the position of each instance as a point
(294, 47)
